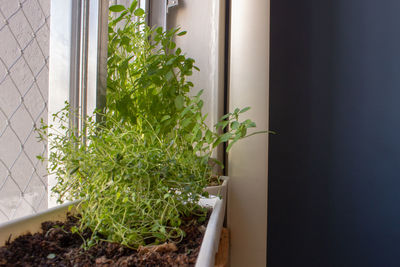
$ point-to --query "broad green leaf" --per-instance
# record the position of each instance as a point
(117, 8)
(120, 17)
(200, 93)
(208, 136)
(200, 104)
(169, 75)
(133, 6)
(179, 102)
(244, 110)
(139, 12)
(248, 122)
(185, 122)
(222, 124)
(171, 45)
(235, 125)
(225, 116)
(225, 137)
(170, 62)
(243, 131)
(125, 40)
(166, 117)
(159, 30)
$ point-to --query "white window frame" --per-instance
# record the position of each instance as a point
(78, 60)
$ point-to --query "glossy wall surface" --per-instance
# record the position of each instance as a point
(248, 159)
(334, 185)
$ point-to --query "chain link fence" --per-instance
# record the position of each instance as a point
(24, 56)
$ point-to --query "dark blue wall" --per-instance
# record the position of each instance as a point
(334, 169)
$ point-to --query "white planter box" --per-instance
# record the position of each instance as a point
(208, 248)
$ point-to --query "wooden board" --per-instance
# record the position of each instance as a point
(222, 256)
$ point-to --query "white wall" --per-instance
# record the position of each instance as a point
(204, 22)
(248, 160)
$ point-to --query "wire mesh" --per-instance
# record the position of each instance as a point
(24, 56)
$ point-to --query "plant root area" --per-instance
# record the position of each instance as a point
(57, 246)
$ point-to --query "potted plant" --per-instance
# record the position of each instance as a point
(140, 166)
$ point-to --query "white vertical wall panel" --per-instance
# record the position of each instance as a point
(248, 160)
(204, 22)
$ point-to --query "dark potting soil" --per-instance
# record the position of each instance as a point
(57, 246)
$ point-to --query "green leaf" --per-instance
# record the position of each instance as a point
(74, 170)
(200, 93)
(182, 33)
(225, 116)
(179, 102)
(171, 45)
(235, 125)
(169, 75)
(125, 40)
(199, 135)
(159, 30)
(243, 131)
(185, 122)
(244, 110)
(133, 6)
(230, 145)
(248, 122)
(208, 136)
(166, 117)
(200, 104)
(225, 137)
(169, 62)
(139, 12)
(222, 124)
(117, 8)
(123, 14)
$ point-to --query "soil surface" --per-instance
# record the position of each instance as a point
(57, 246)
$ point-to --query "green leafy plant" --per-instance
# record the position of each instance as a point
(133, 186)
(144, 167)
(147, 80)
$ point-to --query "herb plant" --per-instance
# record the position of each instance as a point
(145, 166)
